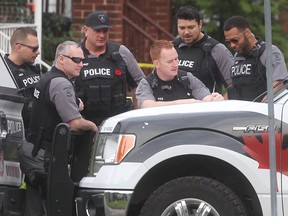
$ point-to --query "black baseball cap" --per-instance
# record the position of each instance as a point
(97, 20)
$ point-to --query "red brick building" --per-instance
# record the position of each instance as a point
(136, 23)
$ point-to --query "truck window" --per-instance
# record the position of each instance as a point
(7, 79)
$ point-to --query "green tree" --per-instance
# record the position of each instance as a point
(55, 30)
(214, 14)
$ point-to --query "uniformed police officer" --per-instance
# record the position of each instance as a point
(200, 54)
(55, 96)
(107, 70)
(24, 50)
(249, 72)
(166, 85)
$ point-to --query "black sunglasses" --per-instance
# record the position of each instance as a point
(76, 60)
(233, 40)
(34, 49)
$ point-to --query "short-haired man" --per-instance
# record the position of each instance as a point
(166, 85)
(109, 69)
(249, 71)
(205, 57)
(24, 51)
(54, 95)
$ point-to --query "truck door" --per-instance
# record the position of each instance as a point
(11, 136)
(69, 161)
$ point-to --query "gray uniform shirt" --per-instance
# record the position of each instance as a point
(278, 63)
(224, 61)
(62, 94)
(132, 65)
(145, 92)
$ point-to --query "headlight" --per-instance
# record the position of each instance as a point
(111, 149)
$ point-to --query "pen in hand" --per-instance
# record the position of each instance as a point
(214, 86)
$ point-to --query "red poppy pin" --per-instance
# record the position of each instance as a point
(118, 72)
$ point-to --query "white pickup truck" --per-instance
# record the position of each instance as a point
(197, 159)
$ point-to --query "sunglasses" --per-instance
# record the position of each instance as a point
(33, 48)
(235, 40)
(76, 60)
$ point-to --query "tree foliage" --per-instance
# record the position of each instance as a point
(214, 14)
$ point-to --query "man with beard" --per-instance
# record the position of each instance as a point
(249, 72)
(200, 54)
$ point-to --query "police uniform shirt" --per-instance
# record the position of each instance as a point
(278, 63)
(222, 56)
(144, 91)
(132, 65)
(62, 94)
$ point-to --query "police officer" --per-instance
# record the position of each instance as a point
(24, 50)
(54, 95)
(249, 72)
(166, 85)
(108, 69)
(200, 54)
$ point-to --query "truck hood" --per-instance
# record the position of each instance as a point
(201, 108)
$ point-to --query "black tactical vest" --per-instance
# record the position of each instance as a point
(198, 60)
(249, 74)
(102, 83)
(45, 117)
(26, 76)
(178, 88)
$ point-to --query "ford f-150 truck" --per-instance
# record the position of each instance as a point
(207, 158)
(196, 159)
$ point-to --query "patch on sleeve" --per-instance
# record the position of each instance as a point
(68, 92)
(277, 57)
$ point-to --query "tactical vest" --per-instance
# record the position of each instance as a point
(249, 74)
(26, 76)
(198, 60)
(178, 88)
(102, 83)
(46, 117)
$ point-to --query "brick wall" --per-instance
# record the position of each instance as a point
(114, 8)
(158, 10)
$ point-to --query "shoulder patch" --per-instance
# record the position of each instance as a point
(68, 91)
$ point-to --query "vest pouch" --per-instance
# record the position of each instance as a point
(105, 97)
(106, 93)
(118, 100)
(93, 97)
(99, 98)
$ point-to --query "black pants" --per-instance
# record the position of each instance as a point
(35, 179)
(35, 204)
